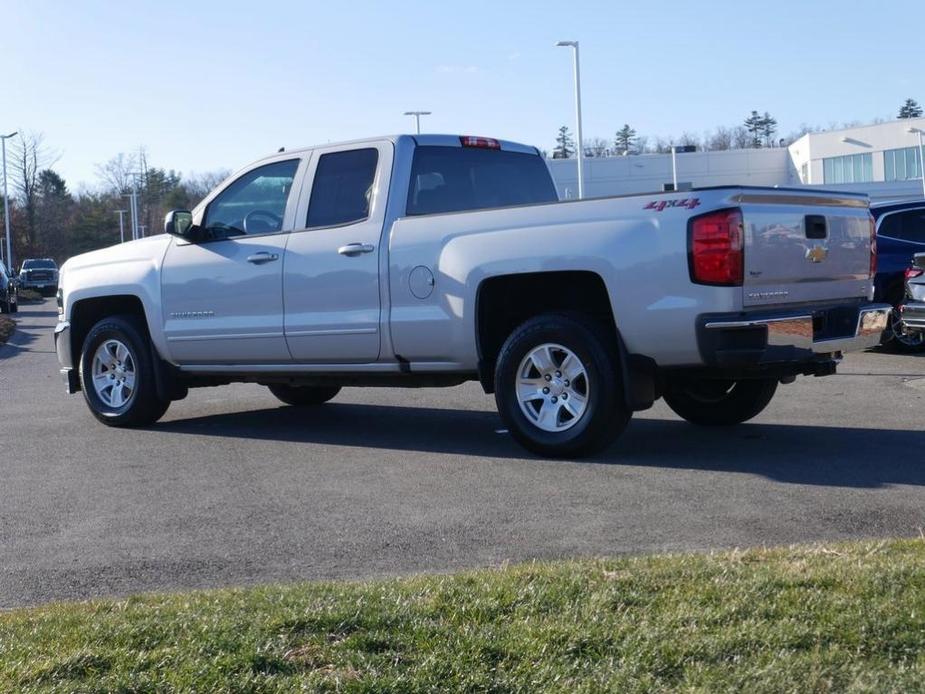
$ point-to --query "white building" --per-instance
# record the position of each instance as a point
(881, 160)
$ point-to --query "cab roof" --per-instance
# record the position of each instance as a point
(424, 140)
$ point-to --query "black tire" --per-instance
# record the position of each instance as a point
(5, 307)
(13, 307)
(718, 402)
(605, 415)
(303, 396)
(896, 341)
(142, 406)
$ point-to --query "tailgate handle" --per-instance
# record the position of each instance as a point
(815, 226)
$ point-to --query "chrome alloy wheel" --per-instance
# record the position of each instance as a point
(552, 387)
(114, 374)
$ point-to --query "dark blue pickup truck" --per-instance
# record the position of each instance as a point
(900, 235)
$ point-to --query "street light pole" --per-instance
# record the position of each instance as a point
(6, 208)
(417, 118)
(121, 225)
(674, 167)
(919, 132)
(581, 146)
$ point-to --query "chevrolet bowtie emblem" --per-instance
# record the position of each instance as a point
(817, 254)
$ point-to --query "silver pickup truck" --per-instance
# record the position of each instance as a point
(433, 260)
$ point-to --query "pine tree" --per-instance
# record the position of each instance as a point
(910, 109)
(624, 140)
(768, 128)
(754, 124)
(565, 145)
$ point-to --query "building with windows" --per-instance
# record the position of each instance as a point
(881, 160)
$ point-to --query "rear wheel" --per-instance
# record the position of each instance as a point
(5, 307)
(720, 402)
(303, 396)
(557, 387)
(117, 374)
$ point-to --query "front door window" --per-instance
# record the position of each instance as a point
(254, 204)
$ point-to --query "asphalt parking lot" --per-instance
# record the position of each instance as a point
(233, 488)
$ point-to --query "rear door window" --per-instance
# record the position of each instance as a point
(342, 187)
(906, 226)
(453, 179)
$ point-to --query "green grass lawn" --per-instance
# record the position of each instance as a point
(846, 617)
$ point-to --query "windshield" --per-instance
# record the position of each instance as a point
(34, 264)
(451, 179)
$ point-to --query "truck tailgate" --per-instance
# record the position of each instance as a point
(805, 247)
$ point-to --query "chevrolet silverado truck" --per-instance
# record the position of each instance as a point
(431, 260)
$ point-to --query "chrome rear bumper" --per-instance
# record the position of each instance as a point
(800, 330)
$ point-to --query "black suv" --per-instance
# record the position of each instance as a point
(40, 275)
(9, 297)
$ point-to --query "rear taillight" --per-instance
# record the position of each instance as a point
(913, 272)
(482, 142)
(873, 247)
(715, 247)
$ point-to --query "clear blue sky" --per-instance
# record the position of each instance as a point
(207, 84)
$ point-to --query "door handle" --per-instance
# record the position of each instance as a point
(354, 249)
(262, 257)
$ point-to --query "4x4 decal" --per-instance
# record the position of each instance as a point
(686, 203)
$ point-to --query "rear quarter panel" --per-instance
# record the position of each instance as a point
(640, 254)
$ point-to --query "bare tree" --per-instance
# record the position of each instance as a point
(719, 140)
(117, 172)
(596, 147)
(29, 156)
(688, 140)
(741, 138)
(661, 145)
(200, 185)
(642, 143)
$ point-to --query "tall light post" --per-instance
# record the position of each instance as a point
(674, 168)
(6, 207)
(417, 118)
(919, 132)
(121, 214)
(581, 146)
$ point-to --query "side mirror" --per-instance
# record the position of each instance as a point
(179, 223)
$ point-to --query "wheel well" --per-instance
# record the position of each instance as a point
(87, 312)
(505, 302)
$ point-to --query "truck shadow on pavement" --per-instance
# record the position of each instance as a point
(29, 338)
(795, 454)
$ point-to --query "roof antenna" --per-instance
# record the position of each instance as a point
(281, 149)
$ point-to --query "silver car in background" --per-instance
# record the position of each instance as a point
(913, 311)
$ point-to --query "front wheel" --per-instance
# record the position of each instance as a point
(117, 374)
(303, 396)
(720, 402)
(557, 386)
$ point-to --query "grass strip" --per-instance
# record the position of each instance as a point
(843, 617)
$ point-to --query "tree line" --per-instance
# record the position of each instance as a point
(48, 220)
(757, 130)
